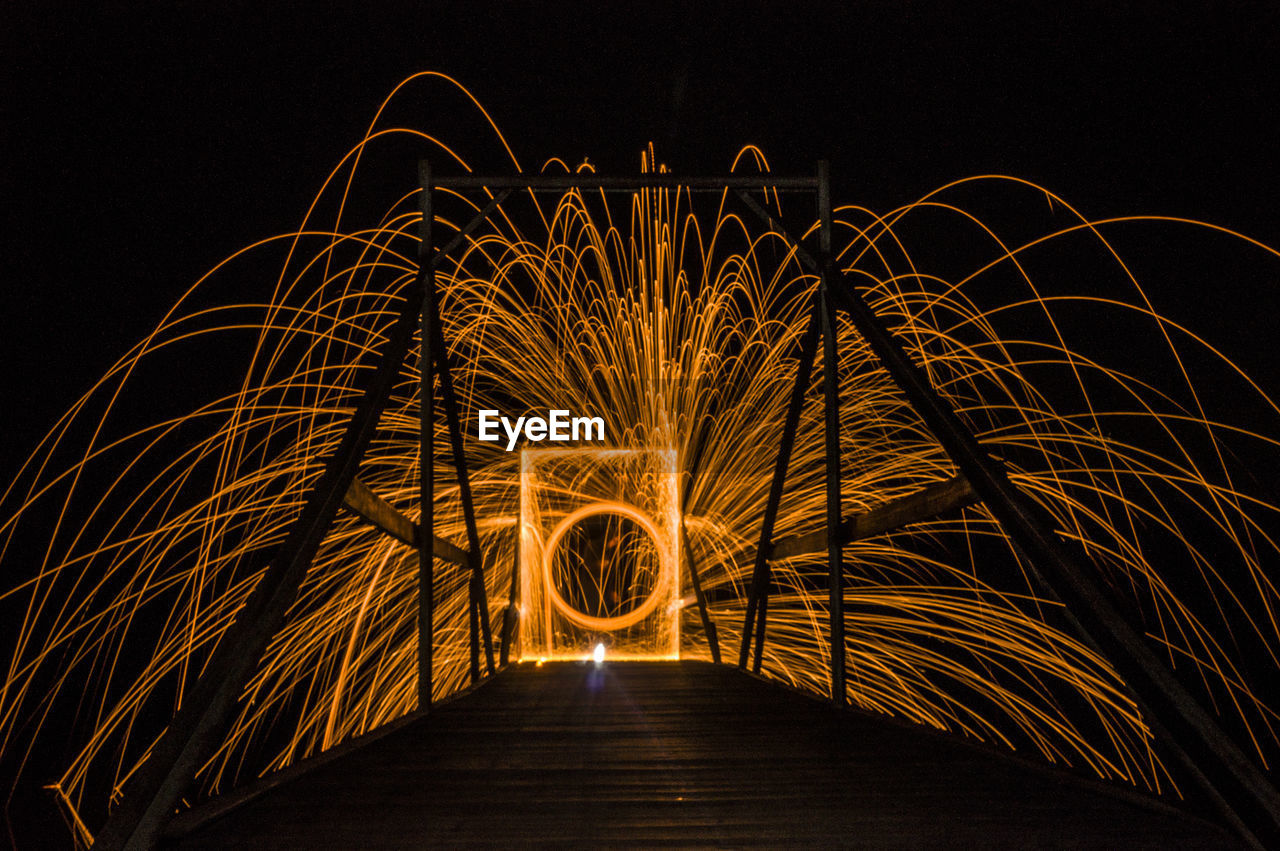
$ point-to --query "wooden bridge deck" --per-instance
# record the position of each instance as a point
(674, 754)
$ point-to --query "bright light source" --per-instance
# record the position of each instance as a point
(599, 654)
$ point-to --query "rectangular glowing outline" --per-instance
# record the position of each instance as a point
(535, 607)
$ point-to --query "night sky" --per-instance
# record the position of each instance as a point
(140, 147)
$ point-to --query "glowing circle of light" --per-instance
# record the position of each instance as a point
(627, 619)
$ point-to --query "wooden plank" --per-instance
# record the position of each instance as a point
(921, 505)
(361, 500)
(680, 753)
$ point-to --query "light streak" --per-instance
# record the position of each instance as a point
(676, 319)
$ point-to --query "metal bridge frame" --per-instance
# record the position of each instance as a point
(1242, 793)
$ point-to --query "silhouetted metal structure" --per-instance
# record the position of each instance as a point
(1244, 796)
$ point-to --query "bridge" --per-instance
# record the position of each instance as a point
(579, 754)
(674, 752)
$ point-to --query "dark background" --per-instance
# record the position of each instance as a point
(142, 145)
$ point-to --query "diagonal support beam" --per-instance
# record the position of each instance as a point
(435, 363)
(708, 625)
(761, 576)
(924, 504)
(479, 594)
(375, 510)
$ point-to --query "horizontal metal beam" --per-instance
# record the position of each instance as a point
(922, 505)
(561, 182)
(359, 499)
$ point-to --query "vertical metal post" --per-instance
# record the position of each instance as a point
(757, 600)
(479, 596)
(831, 387)
(510, 616)
(426, 445)
(473, 629)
